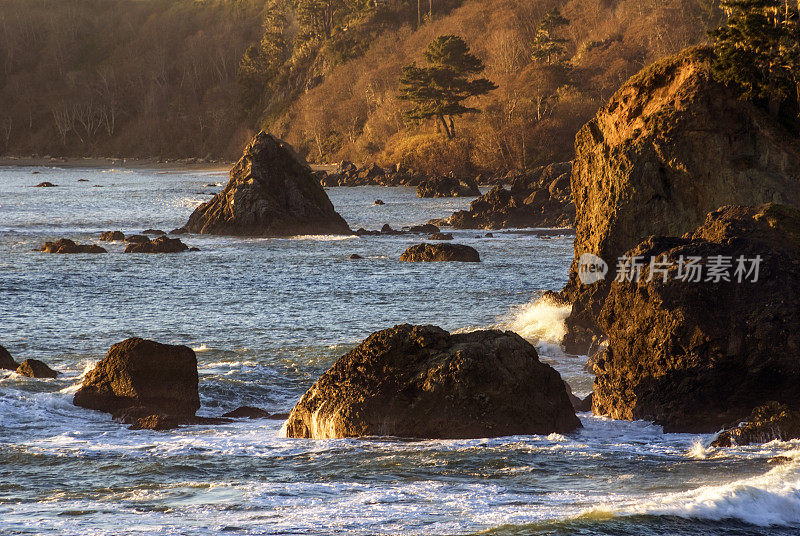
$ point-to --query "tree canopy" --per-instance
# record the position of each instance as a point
(758, 50)
(439, 89)
(548, 46)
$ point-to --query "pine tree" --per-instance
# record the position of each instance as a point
(439, 89)
(758, 50)
(547, 45)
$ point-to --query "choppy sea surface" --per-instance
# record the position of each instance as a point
(266, 318)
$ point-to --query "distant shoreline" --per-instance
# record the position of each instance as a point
(122, 163)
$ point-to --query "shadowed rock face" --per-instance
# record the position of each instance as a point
(162, 244)
(271, 192)
(6, 361)
(420, 381)
(65, 245)
(33, 368)
(440, 253)
(142, 373)
(670, 146)
(697, 356)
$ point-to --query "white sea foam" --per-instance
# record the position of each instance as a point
(201, 348)
(540, 321)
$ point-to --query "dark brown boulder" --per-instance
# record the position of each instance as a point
(421, 381)
(6, 361)
(248, 412)
(162, 244)
(157, 232)
(139, 373)
(379, 202)
(65, 245)
(440, 252)
(112, 236)
(271, 192)
(33, 368)
(427, 228)
(767, 423)
(449, 186)
(45, 184)
(696, 356)
(355, 257)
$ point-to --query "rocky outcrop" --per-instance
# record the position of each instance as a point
(65, 245)
(421, 381)
(767, 423)
(248, 412)
(440, 253)
(441, 236)
(449, 186)
(669, 147)
(33, 368)
(6, 360)
(271, 192)
(112, 236)
(541, 199)
(156, 232)
(141, 378)
(348, 174)
(695, 356)
(162, 244)
(137, 239)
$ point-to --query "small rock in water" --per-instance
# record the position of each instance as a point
(83, 180)
(153, 232)
(427, 228)
(441, 236)
(65, 245)
(356, 256)
(138, 239)
(489, 235)
(162, 244)
(6, 361)
(33, 368)
(247, 412)
(112, 236)
(45, 184)
(440, 253)
(379, 202)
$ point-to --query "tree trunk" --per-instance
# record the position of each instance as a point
(446, 129)
(452, 128)
(419, 13)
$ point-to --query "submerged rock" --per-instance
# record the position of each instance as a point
(138, 373)
(112, 236)
(65, 245)
(6, 361)
(248, 412)
(271, 192)
(695, 356)
(162, 244)
(356, 256)
(33, 368)
(421, 381)
(449, 186)
(45, 184)
(767, 423)
(440, 253)
(669, 147)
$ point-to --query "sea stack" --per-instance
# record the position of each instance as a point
(271, 193)
(421, 381)
(669, 147)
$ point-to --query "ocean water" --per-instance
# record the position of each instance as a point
(266, 317)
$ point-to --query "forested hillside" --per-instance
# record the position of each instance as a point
(195, 78)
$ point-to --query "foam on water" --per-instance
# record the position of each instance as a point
(541, 321)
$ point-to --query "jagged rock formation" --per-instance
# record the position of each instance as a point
(348, 174)
(421, 381)
(696, 356)
(767, 423)
(139, 379)
(440, 253)
(449, 186)
(271, 192)
(670, 146)
(540, 199)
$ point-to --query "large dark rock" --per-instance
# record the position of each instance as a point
(440, 252)
(162, 244)
(65, 245)
(112, 236)
(767, 423)
(669, 147)
(696, 356)
(138, 373)
(271, 192)
(420, 381)
(449, 186)
(33, 368)
(6, 361)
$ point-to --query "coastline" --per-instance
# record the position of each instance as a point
(182, 164)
